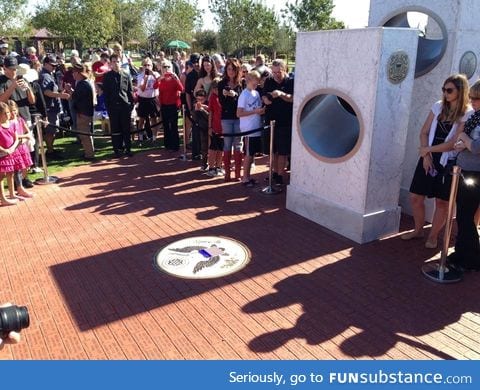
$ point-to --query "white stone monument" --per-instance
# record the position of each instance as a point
(450, 45)
(350, 114)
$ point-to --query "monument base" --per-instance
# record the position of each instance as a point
(358, 227)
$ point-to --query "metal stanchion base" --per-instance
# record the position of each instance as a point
(269, 190)
(47, 180)
(431, 270)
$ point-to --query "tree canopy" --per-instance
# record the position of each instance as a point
(311, 15)
(243, 23)
(11, 15)
(81, 20)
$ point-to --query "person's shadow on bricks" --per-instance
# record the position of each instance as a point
(372, 303)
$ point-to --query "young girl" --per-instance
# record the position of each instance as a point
(215, 152)
(19, 127)
(8, 144)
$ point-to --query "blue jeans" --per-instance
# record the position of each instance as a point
(231, 126)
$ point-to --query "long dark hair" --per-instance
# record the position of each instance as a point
(213, 72)
(235, 64)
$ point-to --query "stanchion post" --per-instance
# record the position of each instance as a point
(183, 157)
(46, 178)
(437, 270)
(270, 190)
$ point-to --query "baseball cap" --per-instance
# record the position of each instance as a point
(50, 59)
(10, 62)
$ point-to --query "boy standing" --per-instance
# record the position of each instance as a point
(250, 110)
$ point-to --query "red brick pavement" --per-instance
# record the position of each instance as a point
(80, 256)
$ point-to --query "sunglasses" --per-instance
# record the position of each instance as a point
(166, 67)
(448, 90)
(474, 98)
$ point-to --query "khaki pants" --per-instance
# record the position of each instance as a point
(83, 125)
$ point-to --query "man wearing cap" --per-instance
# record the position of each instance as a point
(118, 91)
(15, 87)
(52, 100)
(82, 101)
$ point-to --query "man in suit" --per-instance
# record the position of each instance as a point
(117, 88)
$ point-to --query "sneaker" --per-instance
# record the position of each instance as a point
(129, 153)
(220, 172)
(251, 183)
(36, 170)
(204, 168)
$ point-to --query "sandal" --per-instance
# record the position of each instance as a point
(411, 236)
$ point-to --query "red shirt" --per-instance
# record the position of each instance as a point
(215, 110)
(170, 88)
(100, 67)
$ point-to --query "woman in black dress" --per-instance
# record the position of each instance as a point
(437, 137)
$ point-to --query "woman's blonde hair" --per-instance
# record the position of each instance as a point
(4, 108)
(454, 115)
(475, 90)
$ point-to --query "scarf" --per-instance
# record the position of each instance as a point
(472, 122)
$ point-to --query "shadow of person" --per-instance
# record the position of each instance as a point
(372, 302)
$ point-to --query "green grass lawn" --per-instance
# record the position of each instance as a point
(72, 152)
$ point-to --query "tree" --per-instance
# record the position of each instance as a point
(83, 21)
(11, 15)
(132, 22)
(243, 23)
(311, 15)
(176, 19)
(284, 41)
(206, 40)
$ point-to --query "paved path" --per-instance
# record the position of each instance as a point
(80, 256)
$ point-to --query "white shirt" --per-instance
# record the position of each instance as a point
(149, 92)
(250, 101)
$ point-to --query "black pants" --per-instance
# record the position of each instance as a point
(170, 126)
(120, 118)
(467, 247)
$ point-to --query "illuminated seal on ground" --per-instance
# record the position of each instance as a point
(204, 257)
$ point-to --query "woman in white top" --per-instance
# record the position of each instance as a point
(147, 99)
(437, 137)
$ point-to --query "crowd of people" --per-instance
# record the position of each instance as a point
(106, 86)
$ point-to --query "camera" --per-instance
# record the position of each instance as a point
(147, 71)
(227, 88)
(13, 318)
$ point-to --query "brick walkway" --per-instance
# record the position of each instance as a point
(80, 256)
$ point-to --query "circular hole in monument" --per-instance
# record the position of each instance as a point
(329, 126)
(432, 41)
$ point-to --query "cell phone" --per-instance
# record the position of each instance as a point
(19, 77)
(227, 88)
(147, 71)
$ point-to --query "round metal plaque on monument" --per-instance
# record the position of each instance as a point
(468, 64)
(397, 67)
(204, 257)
